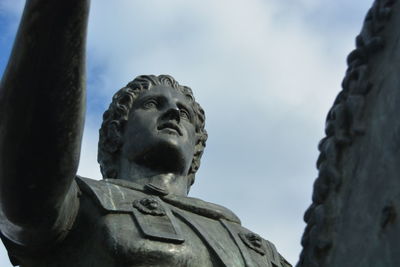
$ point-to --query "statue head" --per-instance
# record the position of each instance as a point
(115, 122)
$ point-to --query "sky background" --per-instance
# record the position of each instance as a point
(265, 71)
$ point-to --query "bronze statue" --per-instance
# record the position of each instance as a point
(151, 142)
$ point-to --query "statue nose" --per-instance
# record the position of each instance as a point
(172, 113)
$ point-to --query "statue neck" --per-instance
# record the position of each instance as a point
(171, 182)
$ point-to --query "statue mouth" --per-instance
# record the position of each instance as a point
(170, 126)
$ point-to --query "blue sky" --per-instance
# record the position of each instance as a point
(265, 71)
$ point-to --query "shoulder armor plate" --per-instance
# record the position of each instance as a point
(152, 216)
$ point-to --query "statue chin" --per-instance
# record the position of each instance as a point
(165, 156)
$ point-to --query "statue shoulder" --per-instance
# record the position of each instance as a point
(254, 248)
(277, 256)
(109, 196)
(113, 196)
(201, 207)
(154, 219)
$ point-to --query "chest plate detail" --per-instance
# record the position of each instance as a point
(253, 241)
(149, 205)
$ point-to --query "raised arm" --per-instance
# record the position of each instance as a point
(42, 102)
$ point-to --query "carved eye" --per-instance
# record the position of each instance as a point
(149, 104)
(184, 113)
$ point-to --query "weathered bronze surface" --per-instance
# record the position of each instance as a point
(353, 220)
(151, 142)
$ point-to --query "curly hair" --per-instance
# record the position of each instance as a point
(115, 118)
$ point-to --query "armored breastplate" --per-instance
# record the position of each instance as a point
(168, 223)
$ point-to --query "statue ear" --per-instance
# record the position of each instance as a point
(198, 152)
(114, 136)
(111, 145)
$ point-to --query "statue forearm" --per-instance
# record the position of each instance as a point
(42, 100)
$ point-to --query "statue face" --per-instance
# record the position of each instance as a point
(160, 132)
